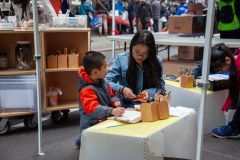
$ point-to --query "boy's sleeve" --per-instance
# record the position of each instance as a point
(91, 105)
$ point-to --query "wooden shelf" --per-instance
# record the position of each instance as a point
(13, 71)
(12, 114)
(62, 69)
(65, 30)
(63, 105)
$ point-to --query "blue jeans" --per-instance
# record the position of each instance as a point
(144, 25)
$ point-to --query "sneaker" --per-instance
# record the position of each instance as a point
(225, 131)
(77, 142)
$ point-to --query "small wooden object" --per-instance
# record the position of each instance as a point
(73, 61)
(52, 61)
(62, 61)
(149, 111)
(163, 110)
(187, 81)
(159, 97)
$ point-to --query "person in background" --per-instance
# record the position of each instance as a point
(182, 9)
(156, 14)
(163, 8)
(173, 7)
(102, 8)
(204, 4)
(145, 14)
(131, 71)
(124, 27)
(22, 10)
(96, 98)
(131, 15)
(87, 10)
(222, 59)
(120, 8)
(167, 12)
(136, 6)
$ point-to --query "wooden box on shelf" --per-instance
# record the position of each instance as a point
(62, 61)
(187, 81)
(52, 61)
(73, 61)
(149, 111)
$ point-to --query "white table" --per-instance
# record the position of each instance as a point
(213, 115)
(112, 140)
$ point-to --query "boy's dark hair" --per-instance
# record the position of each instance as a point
(93, 60)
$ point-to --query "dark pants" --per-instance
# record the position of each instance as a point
(155, 25)
(130, 19)
(144, 25)
(235, 123)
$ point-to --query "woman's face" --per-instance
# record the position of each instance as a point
(140, 53)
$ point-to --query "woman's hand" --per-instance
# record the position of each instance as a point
(145, 98)
(117, 104)
(128, 93)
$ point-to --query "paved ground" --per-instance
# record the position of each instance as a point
(58, 139)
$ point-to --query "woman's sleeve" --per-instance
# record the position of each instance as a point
(114, 74)
(153, 91)
(227, 104)
(48, 10)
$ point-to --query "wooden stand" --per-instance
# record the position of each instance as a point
(163, 110)
(166, 97)
(149, 111)
(187, 81)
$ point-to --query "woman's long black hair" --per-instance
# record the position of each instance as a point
(153, 66)
(218, 55)
(23, 4)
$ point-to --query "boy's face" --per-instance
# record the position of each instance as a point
(101, 74)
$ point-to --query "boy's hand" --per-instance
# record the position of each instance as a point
(117, 104)
(118, 111)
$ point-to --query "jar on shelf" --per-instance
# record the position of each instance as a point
(23, 55)
(3, 58)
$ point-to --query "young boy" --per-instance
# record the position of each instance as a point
(96, 98)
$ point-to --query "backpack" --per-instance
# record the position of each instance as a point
(226, 13)
(173, 10)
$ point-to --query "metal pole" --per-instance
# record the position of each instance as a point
(37, 57)
(205, 72)
(113, 28)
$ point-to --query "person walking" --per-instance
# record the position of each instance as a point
(145, 14)
(156, 14)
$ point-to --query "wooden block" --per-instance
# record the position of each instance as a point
(163, 110)
(187, 81)
(52, 61)
(149, 112)
(62, 61)
(159, 97)
(73, 61)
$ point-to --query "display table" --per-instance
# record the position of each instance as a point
(173, 137)
(213, 114)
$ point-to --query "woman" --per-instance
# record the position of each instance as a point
(138, 70)
(23, 9)
(102, 8)
(222, 59)
(86, 9)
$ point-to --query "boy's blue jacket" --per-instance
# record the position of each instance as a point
(120, 7)
(182, 10)
(95, 99)
(117, 75)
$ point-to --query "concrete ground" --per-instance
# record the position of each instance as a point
(58, 139)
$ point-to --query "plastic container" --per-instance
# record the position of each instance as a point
(3, 58)
(18, 93)
(70, 22)
(23, 55)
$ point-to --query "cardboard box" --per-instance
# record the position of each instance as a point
(190, 53)
(174, 68)
(195, 8)
(62, 61)
(52, 61)
(73, 61)
(187, 24)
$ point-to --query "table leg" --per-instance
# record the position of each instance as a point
(125, 46)
(168, 49)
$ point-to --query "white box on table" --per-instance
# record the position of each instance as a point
(70, 22)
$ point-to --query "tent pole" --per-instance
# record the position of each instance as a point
(37, 57)
(113, 28)
(205, 72)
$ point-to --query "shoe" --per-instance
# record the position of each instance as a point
(165, 29)
(77, 142)
(225, 131)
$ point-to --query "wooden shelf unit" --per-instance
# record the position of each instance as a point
(64, 78)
